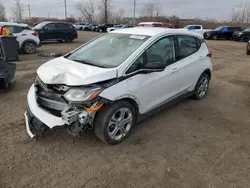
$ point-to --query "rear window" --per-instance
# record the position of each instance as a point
(18, 29)
(63, 26)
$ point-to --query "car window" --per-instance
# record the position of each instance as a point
(224, 29)
(50, 26)
(197, 27)
(136, 65)
(10, 28)
(18, 29)
(26, 28)
(187, 46)
(248, 29)
(63, 26)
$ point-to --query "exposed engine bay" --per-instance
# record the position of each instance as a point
(75, 105)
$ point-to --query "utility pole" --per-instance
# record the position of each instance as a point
(65, 4)
(29, 11)
(134, 13)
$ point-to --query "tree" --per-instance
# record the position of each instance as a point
(105, 10)
(150, 11)
(87, 10)
(241, 13)
(18, 11)
(2, 13)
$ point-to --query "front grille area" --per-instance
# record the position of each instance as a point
(48, 99)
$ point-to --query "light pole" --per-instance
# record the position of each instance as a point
(65, 4)
(134, 13)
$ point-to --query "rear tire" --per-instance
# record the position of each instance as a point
(114, 123)
(68, 39)
(201, 87)
(100, 30)
(29, 47)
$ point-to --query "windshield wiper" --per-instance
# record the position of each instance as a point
(88, 63)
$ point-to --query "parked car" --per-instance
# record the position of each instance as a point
(248, 48)
(56, 31)
(80, 26)
(242, 35)
(223, 32)
(195, 28)
(109, 83)
(91, 27)
(27, 38)
(114, 28)
(94, 28)
(156, 24)
(103, 27)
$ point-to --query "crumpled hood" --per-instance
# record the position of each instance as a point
(71, 73)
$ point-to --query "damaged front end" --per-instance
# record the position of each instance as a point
(52, 106)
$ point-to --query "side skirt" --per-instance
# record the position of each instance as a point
(166, 104)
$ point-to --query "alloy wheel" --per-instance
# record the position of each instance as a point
(120, 124)
(29, 48)
(203, 87)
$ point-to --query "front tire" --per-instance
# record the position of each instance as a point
(201, 87)
(114, 123)
(215, 37)
(100, 30)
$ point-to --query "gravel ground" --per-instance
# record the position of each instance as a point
(193, 144)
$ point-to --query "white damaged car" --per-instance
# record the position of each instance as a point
(109, 83)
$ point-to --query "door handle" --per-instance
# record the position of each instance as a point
(175, 70)
(201, 57)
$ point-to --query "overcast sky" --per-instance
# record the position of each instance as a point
(218, 9)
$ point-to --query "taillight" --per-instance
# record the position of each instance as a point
(209, 54)
(35, 33)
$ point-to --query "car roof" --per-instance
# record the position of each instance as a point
(56, 22)
(154, 31)
(13, 24)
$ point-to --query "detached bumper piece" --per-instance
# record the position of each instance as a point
(34, 126)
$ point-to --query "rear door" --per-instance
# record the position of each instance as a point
(190, 54)
(50, 32)
(61, 30)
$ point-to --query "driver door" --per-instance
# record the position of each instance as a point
(154, 88)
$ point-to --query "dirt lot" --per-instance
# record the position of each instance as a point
(193, 144)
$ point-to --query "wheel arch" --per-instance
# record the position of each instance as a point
(208, 72)
(28, 40)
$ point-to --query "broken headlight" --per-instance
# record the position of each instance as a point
(82, 95)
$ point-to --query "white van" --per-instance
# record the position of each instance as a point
(110, 82)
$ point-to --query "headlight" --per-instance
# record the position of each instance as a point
(81, 95)
(240, 33)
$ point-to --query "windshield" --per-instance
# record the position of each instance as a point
(40, 25)
(109, 50)
(218, 28)
(247, 29)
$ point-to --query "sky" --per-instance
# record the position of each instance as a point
(215, 9)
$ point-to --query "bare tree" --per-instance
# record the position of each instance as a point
(241, 13)
(87, 10)
(105, 10)
(118, 17)
(18, 11)
(150, 11)
(2, 12)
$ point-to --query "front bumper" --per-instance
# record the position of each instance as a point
(36, 118)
